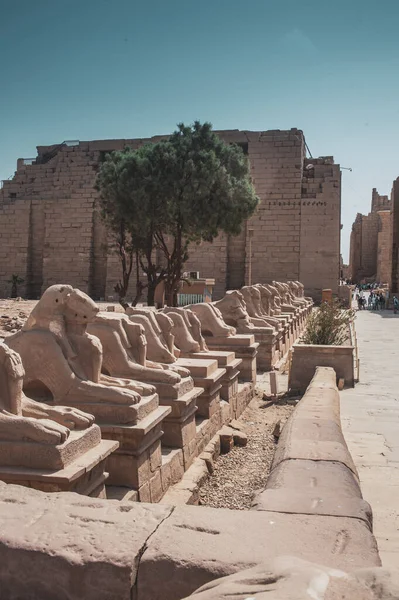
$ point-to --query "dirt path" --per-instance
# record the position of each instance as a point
(241, 473)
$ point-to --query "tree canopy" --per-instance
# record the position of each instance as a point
(169, 194)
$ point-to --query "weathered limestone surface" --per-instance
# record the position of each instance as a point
(312, 470)
(313, 431)
(195, 545)
(97, 549)
(289, 578)
(67, 546)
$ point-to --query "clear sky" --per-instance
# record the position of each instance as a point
(95, 69)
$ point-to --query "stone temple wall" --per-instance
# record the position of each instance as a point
(374, 241)
(51, 229)
(384, 256)
(370, 226)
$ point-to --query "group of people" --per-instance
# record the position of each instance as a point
(375, 301)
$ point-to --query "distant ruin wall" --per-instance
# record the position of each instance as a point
(371, 242)
(52, 232)
(379, 202)
(384, 256)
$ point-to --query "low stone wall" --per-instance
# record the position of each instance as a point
(306, 357)
(313, 472)
(68, 546)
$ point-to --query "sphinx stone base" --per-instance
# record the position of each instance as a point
(34, 455)
(168, 390)
(178, 424)
(207, 375)
(206, 429)
(246, 392)
(244, 347)
(268, 354)
(226, 360)
(172, 469)
(137, 462)
(105, 413)
(84, 475)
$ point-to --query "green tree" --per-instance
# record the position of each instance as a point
(205, 189)
(182, 190)
(132, 213)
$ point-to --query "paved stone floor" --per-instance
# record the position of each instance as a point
(370, 421)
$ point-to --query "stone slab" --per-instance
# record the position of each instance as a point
(194, 546)
(313, 503)
(209, 382)
(198, 367)
(116, 413)
(47, 456)
(62, 477)
(316, 476)
(167, 390)
(240, 339)
(134, 438)
(290, 578)
(70, 546)
(223, 358)
(182, 406)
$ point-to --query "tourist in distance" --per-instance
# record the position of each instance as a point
(395, 305)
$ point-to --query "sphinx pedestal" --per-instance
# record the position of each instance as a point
(77, 465)
(229, 362)
(137, 462)
(208, 376)
(179, 425)
(244, 347)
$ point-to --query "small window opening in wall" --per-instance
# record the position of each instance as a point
(13, 194)
(243, 146)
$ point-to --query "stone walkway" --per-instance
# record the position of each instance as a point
(370, 421)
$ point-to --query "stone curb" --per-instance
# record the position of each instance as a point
(313, 472)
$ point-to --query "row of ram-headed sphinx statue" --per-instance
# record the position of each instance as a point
(132, 398)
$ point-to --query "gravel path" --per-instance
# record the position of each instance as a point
(242, 472)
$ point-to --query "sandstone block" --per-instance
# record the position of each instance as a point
(194, 546)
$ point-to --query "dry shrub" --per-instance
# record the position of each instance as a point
(328, 325)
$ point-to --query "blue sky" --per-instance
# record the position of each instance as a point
(94, 69)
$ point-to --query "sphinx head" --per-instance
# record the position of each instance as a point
(80, 308)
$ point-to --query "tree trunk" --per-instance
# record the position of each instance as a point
(151, 293)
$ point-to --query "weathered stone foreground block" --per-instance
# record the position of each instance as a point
(196, 545)
(65, 546)
(289, 578)
(56, 546)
